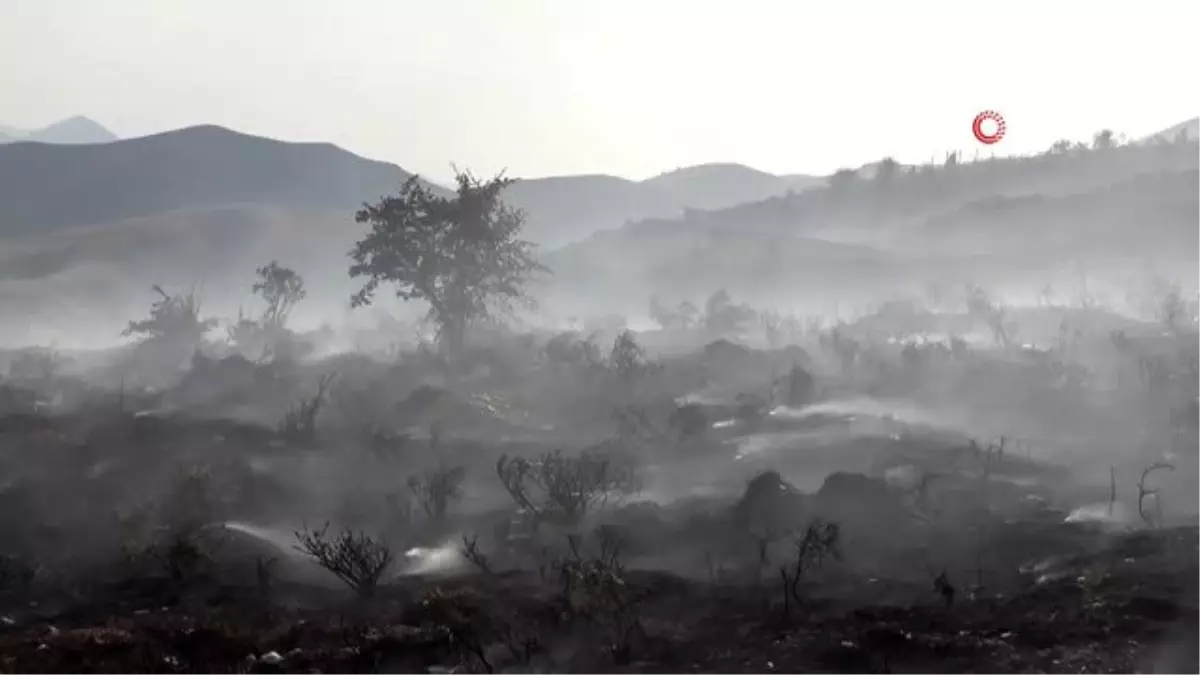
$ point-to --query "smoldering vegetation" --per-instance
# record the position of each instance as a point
(937, 484)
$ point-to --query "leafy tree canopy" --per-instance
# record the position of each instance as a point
(462, 254)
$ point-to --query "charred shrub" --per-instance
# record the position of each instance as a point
(299, 424)
(593, 589)
(563, 488)
(353, 556)
(178, 534)
(436, 489)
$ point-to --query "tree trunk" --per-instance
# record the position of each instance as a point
(452, 337)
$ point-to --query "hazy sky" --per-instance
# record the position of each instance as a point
(627, 87)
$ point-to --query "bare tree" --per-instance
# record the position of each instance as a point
(819, 541)
(1144, 491)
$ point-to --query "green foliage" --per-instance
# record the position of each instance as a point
(461, 254)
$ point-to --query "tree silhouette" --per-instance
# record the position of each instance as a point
(842, 179)
(281, 288)
(461, 254)
(887, 170)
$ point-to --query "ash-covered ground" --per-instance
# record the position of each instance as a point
(908, 491)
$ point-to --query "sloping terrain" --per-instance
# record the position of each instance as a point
(1114, 211)
(44, 188)
(73, 130)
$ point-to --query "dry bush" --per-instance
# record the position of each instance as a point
(564, 488)
(819, 541)
(177, 534)
(1144, 492)
(627, 359)
(463, 616)
(594, 589)
(471, 552)
(355, 557)
(435, 489)
(299, 424)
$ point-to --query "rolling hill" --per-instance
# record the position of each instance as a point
(73, 130)
(44, 188)
(85, 229)
(95, 223)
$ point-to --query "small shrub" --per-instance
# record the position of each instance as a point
(299, 424)
(561, 487)
(174, 323)
(177, 533)
(593, 588)
(352, 556)
(470, 551)
(627, 359)
(463, 617)
(434, 490)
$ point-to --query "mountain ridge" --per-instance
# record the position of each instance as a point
(44, 187)
(75, 130)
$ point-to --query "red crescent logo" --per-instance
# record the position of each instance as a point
(981, 135)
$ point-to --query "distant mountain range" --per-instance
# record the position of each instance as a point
(71, 131)
(95, 224)
(50, 187)
(44, 188)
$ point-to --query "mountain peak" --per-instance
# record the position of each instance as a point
(75, 130)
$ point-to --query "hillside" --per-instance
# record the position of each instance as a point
(99, 223)
(73, 130)
(1018, 223)
(712, 186)
(564, 209)
(49, 187)
(1190, 129)
(44, 188)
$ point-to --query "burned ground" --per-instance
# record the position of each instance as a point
(849, 504)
